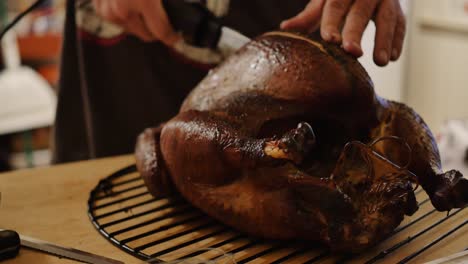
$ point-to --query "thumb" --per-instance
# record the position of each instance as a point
(157, 22)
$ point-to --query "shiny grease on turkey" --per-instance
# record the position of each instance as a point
(278, 142)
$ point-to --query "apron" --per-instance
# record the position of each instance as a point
(112, 86)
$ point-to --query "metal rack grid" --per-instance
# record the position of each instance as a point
(168, 228)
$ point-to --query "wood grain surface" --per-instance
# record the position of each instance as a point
(51, 204)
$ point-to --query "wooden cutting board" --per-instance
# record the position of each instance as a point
(51, 204)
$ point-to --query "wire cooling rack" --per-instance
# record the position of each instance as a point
(165, 229)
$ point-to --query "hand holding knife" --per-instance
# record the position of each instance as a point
(201, 28)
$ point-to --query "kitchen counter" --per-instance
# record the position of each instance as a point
(51, 204)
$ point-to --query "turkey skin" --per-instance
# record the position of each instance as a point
(287, 140)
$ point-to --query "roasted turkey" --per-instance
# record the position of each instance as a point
(288, 140)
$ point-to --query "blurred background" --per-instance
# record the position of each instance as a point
(27, 93)
(431, 76)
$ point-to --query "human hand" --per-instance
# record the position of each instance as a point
(145, 19)
(353, 16)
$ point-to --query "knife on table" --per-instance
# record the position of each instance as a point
(201, 28)
(10, 243)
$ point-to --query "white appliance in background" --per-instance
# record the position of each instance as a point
(26, 99)
(453, 145)
(389, 81)
(455, 9)
(437, 69)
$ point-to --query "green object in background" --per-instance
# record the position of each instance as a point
(3, 13)
(28, 148)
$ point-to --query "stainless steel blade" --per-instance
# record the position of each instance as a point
(69, 253)
(230, 41)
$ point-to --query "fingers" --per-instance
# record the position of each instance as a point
(136, 26)
(146, 19)
(132, 23)
(118, 12)
(110, 11)
(102, 8)
(307, 20)
(385, 23)
(157, 22)
(356, 22)
(354, 16)
(97, 4)
(399, 37)
(333, 16)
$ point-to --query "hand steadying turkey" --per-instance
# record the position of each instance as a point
(288, 140)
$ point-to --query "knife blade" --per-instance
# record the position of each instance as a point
(230, 41)
(201, 28)
(69, 253)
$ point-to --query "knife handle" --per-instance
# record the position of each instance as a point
(10, 244)
(198, 25)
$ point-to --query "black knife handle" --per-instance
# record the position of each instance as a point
(10, 244)
(198, 25)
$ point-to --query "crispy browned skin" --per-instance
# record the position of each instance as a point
(260, 145)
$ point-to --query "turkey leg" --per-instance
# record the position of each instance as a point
(446, 190)
(228, 149)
